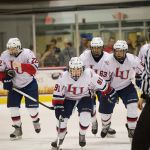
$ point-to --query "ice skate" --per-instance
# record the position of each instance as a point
(56, 145)
(105, 130)
(130, 132)
(17, 134)
(82, 141)
(36, 125)
(95, 127)
(111, 132)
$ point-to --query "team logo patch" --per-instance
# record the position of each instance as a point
(107, 62)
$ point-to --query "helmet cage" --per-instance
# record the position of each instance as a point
(75, 73)
(14, 46)
(75, 68)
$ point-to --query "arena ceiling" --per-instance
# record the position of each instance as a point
(21, 1)
(11, 7)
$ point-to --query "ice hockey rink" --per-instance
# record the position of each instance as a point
(42, 141)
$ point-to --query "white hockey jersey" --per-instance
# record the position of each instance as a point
(122, 74)
(21, 78)
(142, 52)
(89, 62)
(68, 88)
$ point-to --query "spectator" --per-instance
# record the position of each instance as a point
(43, 55)
(49, 59)
(57, 51)
(131, 49)
(85, 42)
(141, 40)
(109, 48)
(31, 47)
(53, 43)
(68, 52)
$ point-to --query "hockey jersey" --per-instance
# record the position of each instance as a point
(122, 74)
(89, 62)
(70, 89)
(29, 65)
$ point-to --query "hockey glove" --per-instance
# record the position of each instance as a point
(7, 83)
(112, 96)
(59, 110)
(10, 72)
(138, 80)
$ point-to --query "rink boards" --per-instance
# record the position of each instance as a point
(42, 98)
(46, 78)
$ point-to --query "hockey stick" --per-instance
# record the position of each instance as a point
(32, 99)
(61, 119)
(74, 108)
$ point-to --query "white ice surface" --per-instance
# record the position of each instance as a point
(32, 141)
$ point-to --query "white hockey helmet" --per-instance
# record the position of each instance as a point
(14, 46)
(97, 42)
(120, 50)
(121, 45)
(97, 47)
(75, 68)
(13, 43)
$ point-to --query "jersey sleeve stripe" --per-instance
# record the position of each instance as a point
(58, 96)
(28, 68)
(57, 102)
(105, 87)
(2, 76)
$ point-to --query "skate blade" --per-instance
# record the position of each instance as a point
(56, 148)
(16, 138)
(110, 135)
(83, 148)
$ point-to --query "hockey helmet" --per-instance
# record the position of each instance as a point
(75, 68)
(96, 46)
(120, 50)
(121, 45)
(14, 46)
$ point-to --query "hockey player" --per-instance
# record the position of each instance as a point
(18, 67)
(94, 59)
(73, 88)
(121, 66)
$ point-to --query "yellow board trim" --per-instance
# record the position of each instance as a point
(42, 98)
